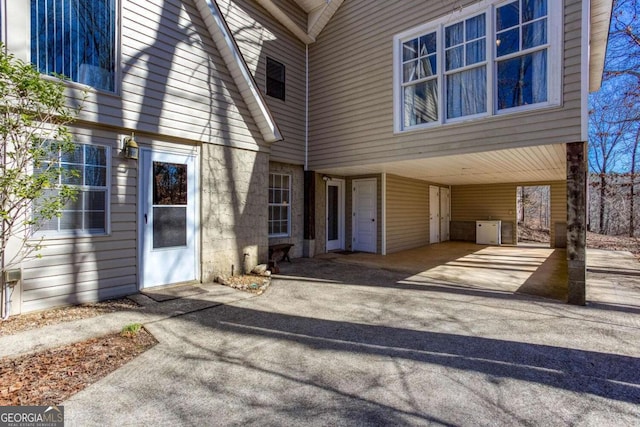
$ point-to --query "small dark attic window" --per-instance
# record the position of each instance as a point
(275, 79)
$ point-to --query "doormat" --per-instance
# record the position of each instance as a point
(345, 252)
(174, 292)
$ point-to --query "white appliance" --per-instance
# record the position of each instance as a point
(488, 232)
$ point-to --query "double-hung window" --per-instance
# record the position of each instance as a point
(279, 205)
(86, 169)
(466, 67)
(75, 38)
(420, 79)
(490, 58)
(522, 53)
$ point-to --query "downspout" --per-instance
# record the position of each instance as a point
(306, 107)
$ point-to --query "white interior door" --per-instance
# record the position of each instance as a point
(445, 214)
(434, 214)
(167, 218)
(364, 215)
(335, 214)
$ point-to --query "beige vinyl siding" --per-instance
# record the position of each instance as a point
(82, 269)
(260, 36)
(498, 202)
(407, 216)
(351, 92)
(558, 210)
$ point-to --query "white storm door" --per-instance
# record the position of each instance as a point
(434, 214)
(364, 215)
(335, 214)
(167, 218)
(445, 214)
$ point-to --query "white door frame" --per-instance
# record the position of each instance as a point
(332, 245)
(434, 214)
(144, 190)
(357, 244)
(445, 213)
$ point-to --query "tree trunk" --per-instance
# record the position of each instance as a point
(603, 188)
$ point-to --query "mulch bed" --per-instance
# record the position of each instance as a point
(24, 322)
(52, 376)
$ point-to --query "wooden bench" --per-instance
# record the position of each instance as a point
(278, 253)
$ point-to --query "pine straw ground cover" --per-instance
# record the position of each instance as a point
(51, 376)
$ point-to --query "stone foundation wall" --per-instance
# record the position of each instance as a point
(234, 209)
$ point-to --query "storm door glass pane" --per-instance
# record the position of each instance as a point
(169, 205)
(332, 221)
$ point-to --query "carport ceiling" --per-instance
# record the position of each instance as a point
(529, 164)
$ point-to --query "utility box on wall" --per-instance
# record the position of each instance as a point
(488, 232)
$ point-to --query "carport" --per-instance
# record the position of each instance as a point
(528, 269)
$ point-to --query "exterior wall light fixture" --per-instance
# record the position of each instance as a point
(130, 147)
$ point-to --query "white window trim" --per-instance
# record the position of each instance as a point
(65, 234)
(555, 16)
(289, 204)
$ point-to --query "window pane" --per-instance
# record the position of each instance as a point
(410, 50)
(534, 34)
(476, 27)
(333, 209)
(94, 221)
(533, 9)
(74, 204)
(476, 52)
(508, 16)
(95, 200)
(169, 183)
(95, 155)
(467, 92)
(410, 71)
(522, 80)
(74, 155)
(454, 34)
(71, 221)
(71, 174)
(428, 66)
(428, 44)
(275, 79)
(95, 176)
(169, 226)
(455, 58)
(75, 38)
(508, 42)
(420, 103)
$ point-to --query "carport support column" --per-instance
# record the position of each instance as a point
(577, 173)
(309, 231)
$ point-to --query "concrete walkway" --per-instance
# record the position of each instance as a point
(337, 344)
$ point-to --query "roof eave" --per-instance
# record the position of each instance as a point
(226, 44)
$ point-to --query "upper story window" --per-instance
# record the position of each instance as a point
(522, 53)
(492, 58)
(75, 38)
(86, 168)
(279, 205)
(275, 79)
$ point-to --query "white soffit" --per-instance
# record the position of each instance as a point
(319, 12)
(600, 22)
(530, 164)
(222, 37)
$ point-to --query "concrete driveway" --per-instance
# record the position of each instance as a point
(335, 344)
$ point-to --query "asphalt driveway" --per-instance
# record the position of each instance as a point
(335, 344)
